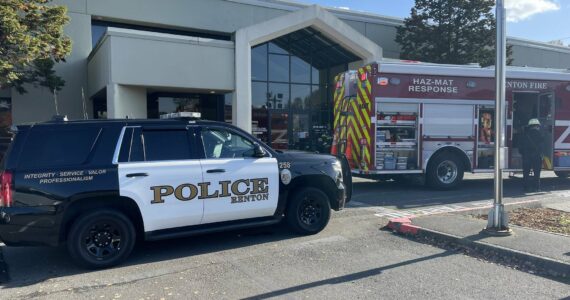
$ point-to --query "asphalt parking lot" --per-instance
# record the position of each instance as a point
(475, 188)
(352, 258)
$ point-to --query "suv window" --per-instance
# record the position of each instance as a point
(166, 145)
(58, 147)
(154, 145)
(221, 143)
(131, 146)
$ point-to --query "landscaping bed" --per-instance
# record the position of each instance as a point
(545, 219)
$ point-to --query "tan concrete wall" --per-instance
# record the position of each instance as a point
(189, 63)
(99, 68)
(541, 58)
(126, 101)
(37, 104)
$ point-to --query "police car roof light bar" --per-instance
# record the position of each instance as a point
(183, 114)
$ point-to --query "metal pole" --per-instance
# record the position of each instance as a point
(498, 222)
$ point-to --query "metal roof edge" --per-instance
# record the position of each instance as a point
(537, 44)
(344, 14)
(471, 71)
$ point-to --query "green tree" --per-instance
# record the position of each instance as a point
(450, 31)
(46, 77)
(31, 40)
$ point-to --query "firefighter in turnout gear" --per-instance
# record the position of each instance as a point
(532, 150)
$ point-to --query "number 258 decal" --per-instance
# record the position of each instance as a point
(284, 165)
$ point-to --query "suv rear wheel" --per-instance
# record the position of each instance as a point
(308, 211)
(101, 239)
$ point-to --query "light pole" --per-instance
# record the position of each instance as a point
(498, 219)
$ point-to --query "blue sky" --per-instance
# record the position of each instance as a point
(540, 20)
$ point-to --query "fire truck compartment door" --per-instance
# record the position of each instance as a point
(448, 120)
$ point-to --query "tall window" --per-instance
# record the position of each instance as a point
(291, 98)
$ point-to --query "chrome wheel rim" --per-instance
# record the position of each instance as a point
(447, 172)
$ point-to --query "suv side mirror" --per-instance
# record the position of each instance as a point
(258, 151)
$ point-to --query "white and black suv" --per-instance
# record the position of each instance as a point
(99, 185)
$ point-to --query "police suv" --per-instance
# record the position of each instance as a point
(99, 185)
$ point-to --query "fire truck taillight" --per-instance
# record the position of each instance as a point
(6, 189)
(363, 76)
(383, 81)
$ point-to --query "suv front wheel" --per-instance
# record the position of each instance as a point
(308, 211)
(101, 239)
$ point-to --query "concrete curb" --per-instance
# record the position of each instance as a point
(509, 207)
(510, 257)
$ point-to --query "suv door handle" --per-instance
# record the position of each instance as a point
(137, 175)
(216, 171)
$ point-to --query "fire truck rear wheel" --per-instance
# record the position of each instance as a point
(445, 171)
(562, 174)
(308, 211)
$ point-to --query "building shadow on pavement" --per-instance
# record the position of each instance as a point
(376, 271)
(32, 265)
(347, 278)
(402, 195)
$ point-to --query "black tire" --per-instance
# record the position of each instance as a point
(101, 239)
(445, 171)
(308, 211)
(562, 174)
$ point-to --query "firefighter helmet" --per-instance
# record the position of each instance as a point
(533, 122)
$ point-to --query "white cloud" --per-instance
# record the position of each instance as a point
(518, 10)
(343, 7)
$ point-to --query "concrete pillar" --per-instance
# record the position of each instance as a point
(126, 101)
(241, 102)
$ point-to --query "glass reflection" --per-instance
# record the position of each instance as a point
(259, 95)
(300, 138)
(273, 48)
(291, 98)
(279, 130)
(278, 96)
(300, 70)
(300, 95)
(278, 67)
(259, 62)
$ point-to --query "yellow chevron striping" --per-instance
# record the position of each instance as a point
(367, 112)
(353, 136)
(359, 135)
(361, 125)
(368, 83)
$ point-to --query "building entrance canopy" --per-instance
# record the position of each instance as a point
(298, 31)
(311, 45)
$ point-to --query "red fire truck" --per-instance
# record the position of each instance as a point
(437, 121)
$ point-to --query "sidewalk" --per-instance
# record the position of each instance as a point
(546, 253)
